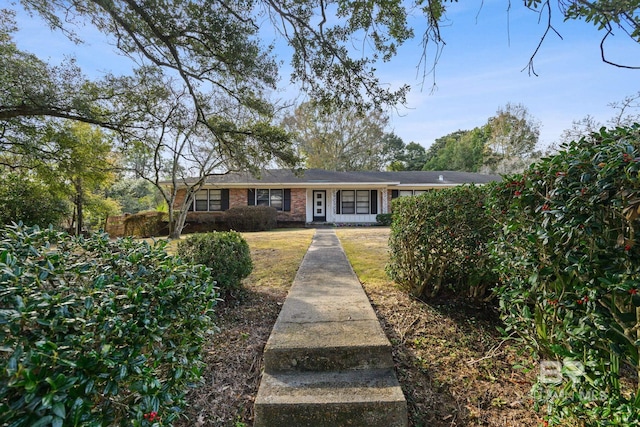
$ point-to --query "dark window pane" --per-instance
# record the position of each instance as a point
(262, 197)
(276, 199)
(202, 202)
(348, 202)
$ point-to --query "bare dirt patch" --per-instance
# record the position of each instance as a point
(233, 357)
(454, 369)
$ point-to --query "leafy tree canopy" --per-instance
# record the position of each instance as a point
(461, 150)
(27, 199)
(216, 47)
(412, 157)
(202, 69)
(338, 139)
(506, 143)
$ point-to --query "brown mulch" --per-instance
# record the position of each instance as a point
(234, 361)
(452, 365)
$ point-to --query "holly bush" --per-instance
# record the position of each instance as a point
(438, 241)
(251, 218)
(569, 264)
(97, 332)
(226, 253)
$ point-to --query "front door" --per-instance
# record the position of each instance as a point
(319, 205)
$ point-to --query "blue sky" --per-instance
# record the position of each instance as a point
(479, 71)
(481, 67)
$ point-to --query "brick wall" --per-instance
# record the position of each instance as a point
(180, 196)
(389, 201)
(237, 197)
(298, 211)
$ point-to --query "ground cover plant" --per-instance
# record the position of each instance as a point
(96, 331)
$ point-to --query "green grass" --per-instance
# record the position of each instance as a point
(368, 252)
(276, 255)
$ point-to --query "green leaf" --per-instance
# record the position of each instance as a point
(59, 410)
(43, 421)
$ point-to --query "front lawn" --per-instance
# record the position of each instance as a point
(452, 365)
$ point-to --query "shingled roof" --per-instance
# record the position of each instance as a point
(320, 176)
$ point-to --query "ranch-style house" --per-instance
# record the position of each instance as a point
(319, 196)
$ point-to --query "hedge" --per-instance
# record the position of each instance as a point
(96, 332)
(438, 242)
(251, 218)
(569, 262)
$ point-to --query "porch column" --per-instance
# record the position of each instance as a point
(385, 201)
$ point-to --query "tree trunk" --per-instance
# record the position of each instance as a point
(178, 224)
(79, 203)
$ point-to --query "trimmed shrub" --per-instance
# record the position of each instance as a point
(384, 219)
(438, 240)
(96, 332)
(145, 224)
(252, 218)
(569, 261)
(226, 253)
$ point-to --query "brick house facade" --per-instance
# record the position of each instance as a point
(317, 196)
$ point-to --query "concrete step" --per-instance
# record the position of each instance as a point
(327, 361)
(327, 327)
(328, 346)
(368, 398)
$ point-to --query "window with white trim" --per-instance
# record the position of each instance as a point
(207, 200)
(348, 201)
(361, 202)
(270, 197)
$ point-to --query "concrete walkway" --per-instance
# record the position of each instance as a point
(327, 361)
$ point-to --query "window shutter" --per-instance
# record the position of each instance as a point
(251, 197)
(286, 206)
(374, 201)
(225, 199)
(394, 194)
(338, 204)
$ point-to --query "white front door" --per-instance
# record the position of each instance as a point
(319, 205)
